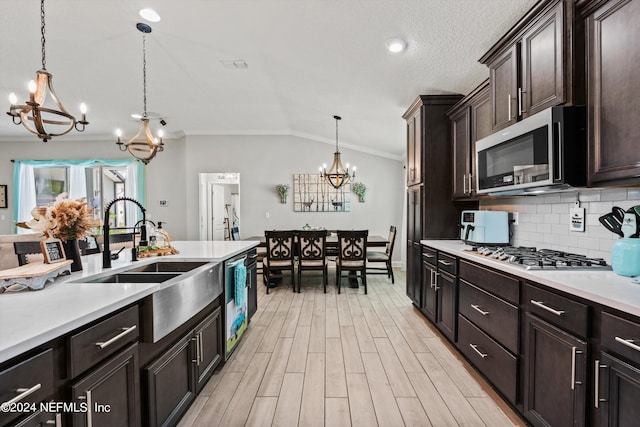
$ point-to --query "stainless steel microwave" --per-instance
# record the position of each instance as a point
(544, 152)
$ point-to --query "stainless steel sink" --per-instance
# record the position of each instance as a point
(187, 288)
(170, 266)
(128, 277)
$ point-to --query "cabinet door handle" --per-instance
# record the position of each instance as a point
(89, 409)
(464, 184)
(445, 263)
(124, 332)
(479, 310)
(24, 392)
(435, 281)
(549, 309)
(520, 101)
(201, 347)
(509, 107)
(57, 421)
(628, 343)
(573, 368)
(470, 184)
(475, 348)
(596, 383)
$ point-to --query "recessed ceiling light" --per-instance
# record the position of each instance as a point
(396, 45)
(150, 15)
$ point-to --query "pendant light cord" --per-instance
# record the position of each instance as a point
(42, 39)
(144, 73)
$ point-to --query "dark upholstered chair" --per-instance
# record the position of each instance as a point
(352, 255)
(312, 254)
(279, 257)
(383, 257)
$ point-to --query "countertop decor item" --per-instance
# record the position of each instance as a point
(67, 220)
(625, 256)
(283, 190)
(359, 188)
(45, 121)
(143, 145)
(338, 175)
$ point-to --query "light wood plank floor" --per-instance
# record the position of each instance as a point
(316, 359)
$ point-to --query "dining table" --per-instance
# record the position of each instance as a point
(373, 241)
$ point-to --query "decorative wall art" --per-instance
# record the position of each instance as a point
(311, 193)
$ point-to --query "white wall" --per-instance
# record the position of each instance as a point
(544, 219)
(262, 161)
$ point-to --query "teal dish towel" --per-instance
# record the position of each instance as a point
(240, 283)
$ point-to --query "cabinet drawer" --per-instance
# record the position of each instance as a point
(497, 364)
(497, 318)
(94, 344)
(447, 263)
(430, 256)
(621, 336)
(491, 281)
(561, 311)
(30, 381)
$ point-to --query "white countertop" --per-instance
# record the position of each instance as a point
(604, 287)
(31, 318)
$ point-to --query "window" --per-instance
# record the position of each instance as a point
(38, 183)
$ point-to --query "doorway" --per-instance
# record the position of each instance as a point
(219, 205)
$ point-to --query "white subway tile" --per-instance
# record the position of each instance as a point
(551, 218)
(613, 194)
(589, 196)
(545, 208)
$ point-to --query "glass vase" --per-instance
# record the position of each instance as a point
(72, 252)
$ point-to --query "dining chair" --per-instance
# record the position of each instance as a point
(352, 255)
(235, 233)
(312, 254)
(279, 256)
(380, 257)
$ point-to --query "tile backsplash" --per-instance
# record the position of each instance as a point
(543, 220)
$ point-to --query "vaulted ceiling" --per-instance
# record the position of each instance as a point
(307, 60)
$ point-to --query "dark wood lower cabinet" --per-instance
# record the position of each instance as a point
(41, 419)
(208, 336)
(618, 389)
(111, 392)
(171, 382)
(174, 378)
(555, 375)
(414, 272)
(429, 298)
(447, 289)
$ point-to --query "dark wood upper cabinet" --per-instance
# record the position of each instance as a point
(537, 64)
(470, 121)
(613, 60)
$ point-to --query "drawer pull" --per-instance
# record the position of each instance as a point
(475, 348)
(124, 332)
(628, 343)
(479, 310)
(445, 263)
(24, 392)
(549, 309)
(428, 256)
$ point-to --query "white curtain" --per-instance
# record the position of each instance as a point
(77, 182)
(131, 190)
(27, 200)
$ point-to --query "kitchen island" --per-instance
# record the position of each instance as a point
(43, 334)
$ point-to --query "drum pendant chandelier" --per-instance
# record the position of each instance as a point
(34, 116)
(338, 175)
(143, 146)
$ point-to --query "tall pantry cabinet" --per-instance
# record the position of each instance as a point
(431, 214)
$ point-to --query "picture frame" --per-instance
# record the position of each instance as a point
(3, 196)
(52, 251)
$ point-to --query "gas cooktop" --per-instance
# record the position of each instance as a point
(531, 258)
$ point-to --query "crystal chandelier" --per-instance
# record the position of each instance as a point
(338, 175)
(34, 116)
(143, 146)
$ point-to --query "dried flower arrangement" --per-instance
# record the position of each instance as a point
(66, 219)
